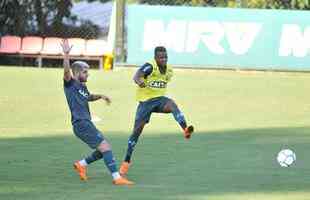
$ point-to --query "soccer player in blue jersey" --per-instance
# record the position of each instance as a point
(78, 97)
(152, 79)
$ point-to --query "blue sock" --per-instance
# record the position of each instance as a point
(133, 139)
(96, 155)
(179, 117)
(109, 161)
(130, 148)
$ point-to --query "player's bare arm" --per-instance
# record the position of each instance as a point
(95, 97)
(138, 78)
(66, 48)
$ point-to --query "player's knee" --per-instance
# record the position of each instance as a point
(170, 106)
(104, 146)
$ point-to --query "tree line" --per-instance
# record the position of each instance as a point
(54, 17)
(45, 18)
(263, 4)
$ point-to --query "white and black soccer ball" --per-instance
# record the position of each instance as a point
(286, 157)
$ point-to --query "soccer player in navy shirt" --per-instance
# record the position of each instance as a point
(78, 97)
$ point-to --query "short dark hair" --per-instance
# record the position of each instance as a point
(159, 49)
(78, 66)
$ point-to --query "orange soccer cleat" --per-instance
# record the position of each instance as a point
(188, 131)
(123, 170)
(81, 170)
(122, 181)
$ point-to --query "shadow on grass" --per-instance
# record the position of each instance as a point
(164, 166)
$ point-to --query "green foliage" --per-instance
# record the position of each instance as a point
(267, 4)
(44, 18)
(102, 1)
(280, 4)
(179, 2)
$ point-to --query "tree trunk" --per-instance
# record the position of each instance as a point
(40, 16)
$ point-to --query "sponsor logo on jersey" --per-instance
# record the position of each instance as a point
(158, 84)
(83, 93)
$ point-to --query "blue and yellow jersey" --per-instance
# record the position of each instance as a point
(156, 82)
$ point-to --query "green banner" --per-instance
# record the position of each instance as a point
(220, 37)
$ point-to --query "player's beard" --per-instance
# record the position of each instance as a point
(83, 79)
(163, 66)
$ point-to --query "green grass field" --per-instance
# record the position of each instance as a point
(242, 121)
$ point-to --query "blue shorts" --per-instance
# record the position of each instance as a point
(88, 133)
(146, 108)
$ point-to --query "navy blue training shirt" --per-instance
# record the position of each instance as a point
(77, 96)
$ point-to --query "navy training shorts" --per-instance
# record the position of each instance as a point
(88, 133)
(146, 108)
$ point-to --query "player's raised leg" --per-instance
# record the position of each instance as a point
(171, 107)
(95, 140)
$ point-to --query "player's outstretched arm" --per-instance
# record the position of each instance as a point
(66, 48)
(138, 78)
(95, 97)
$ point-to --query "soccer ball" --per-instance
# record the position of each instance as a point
(286, 157)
